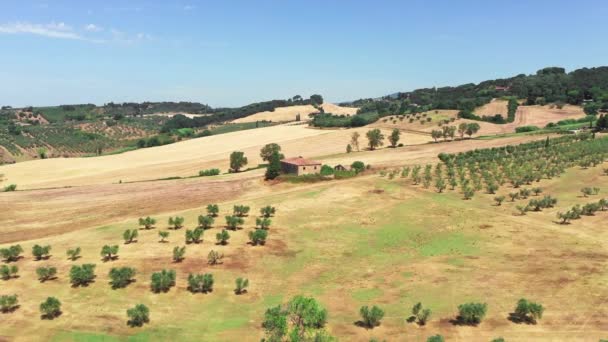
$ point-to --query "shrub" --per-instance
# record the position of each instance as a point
(138, 315)
(179, 253)
(371, 317)
(527, 311)
(267, 211)
(130, 235)
(258, 237)
(241, 285)
(73, 253)
(222, 237)
(46, 273)
(10, 187)
(214, 258)
(263, 222)
(12, 253)
(162, 281)
(200, 283)
(327, 170)
(499, 200)
(205, 222)
(194, 236)
(472, 313)
(41, 252)
(233, 222)
(523, 129)
(8, 303)
(209, 172)
(241, 210)
(121, 277)
(212, 210)
(357, 166)
(109, 253)
(436, 338)
(50, 308)
(82, 275)
(420, 314)
(163, 235)
(147, 222)
(8, 272)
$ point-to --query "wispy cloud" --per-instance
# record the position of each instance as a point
(52, 30)
(93, 28)
(60, 30)
(189, 7)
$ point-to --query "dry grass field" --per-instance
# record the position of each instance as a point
(285, 114)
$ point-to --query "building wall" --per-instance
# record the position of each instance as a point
(300, 170)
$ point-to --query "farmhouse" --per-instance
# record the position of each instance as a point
(300, 166)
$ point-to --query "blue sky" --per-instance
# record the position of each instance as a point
(229, 52)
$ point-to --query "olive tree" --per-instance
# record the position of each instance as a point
(41, 252)
(194, 236)
(82, 275)
(8, 303)
(371, 317)
(73, 253)
(258, 237)
(300, 317)
(214, 258)
(109, 253)
(241, 210)
(12, 253)
(394, 137)
(205, 222)
(179, 253)
(222, 237)
(147, 222)
(213, 210)
(233, 222)
(8, 272)
(162, 281)
(200, 283)
(176, 222)
(163, 235)
(130, 235)
(268, 211)
(121, 276)
(241, 285)
(46, 273)
(50, 308)
(435, 338)
(420, 314)
(263, 222)
(472, 313)
(527, 311)
(138, 315)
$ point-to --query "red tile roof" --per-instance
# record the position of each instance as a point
(300, 161)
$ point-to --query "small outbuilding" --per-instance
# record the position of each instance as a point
(300, 166)
(341, 167)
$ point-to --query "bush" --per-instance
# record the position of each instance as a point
(138, 315)
(258, 237)
(327, 170)
(222, 237)
(371, 317)
(82, 275)
(121, 277)
(73, 253)
(358, 166)
(344, 174)
(46, 273)
(200, 283)
(212, 210)
(523, 129)
(162, 281)
(10, 187)
(50, 308)
(268, 211)
(8, 303)
(109, 253)
(179, 253)
(8, 272)
(209, 172)
(527, 311)
(12, 253)
(205, 222)
(41, 252)
(472, 313)
(241, 285)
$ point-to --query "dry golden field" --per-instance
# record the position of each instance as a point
(285, 114)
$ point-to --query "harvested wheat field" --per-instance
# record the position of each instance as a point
(286, 114)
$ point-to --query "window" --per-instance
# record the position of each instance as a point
(304, 168)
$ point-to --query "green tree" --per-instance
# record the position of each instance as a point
(82, 275)
(194, 236)
(394, 137)
(462, 129)
(8, 272)
(258, 237)
(8, 303)
(371, 317)
(73, 253)
(436, 134)
(233, 222)
(138, 315)
(162, 281)
(147, 222)
(499, 200)
(420, 314)
(214, 258)
(12, 253)
(163, 235)
(263, 222)
(316, 99)
(46, 273)
(50, 308)
(472, 128)
(375, 138)
(179, 253)
(241, 285)
(241, 210)
(357, 166)
(130, 235)
(222, 237)
(41, 252)
(302, 319)
(121, 276)
(200, 283)
(472, 313)
(273, 170)
(205, 222)
(268, 150)
(212, 210)
(176, 222)
(237, 161)
(267, 211)
(527, 311)
(109, 253)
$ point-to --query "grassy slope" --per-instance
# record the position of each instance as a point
(348, 247)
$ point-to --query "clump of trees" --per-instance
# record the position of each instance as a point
(46, 273)
(162, 281)
(12, 253)
(147, 222)
(82, 275)
(302, 318)
(50, 308)
(121, 276)
(371, 317)
(471, 313)
(41, 252)
(200, 283)
(130, 235)
(138, 315)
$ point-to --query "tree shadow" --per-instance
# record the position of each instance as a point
(51, 317)
(459, 321)
(517, 319)
(11, 309)
(362, 324)
(411, 319)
